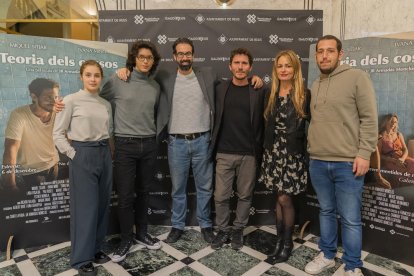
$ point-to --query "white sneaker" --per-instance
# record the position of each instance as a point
(355, 272)
(319, 264)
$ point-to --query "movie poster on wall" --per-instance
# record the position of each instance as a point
(34, 185)
(388, 197)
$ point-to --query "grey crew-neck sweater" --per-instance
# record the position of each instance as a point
(134, 104)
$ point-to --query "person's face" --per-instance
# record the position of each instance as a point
(91, 78)
(184, 56)
(46, 100)
(327, 56)
(240, 67)
(393, 124)
(284, 69)
(144, 60)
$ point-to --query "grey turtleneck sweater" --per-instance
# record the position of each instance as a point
(86, 117)
(134, 104)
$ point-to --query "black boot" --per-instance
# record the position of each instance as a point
(278, 247)
(286, 251)
(279, 240)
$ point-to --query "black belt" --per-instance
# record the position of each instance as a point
(142, 139)
(190, 136)
(100, 143)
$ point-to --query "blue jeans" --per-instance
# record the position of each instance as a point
(182, 154)
(339, 192)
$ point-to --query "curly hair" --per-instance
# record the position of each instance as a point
(133, 53)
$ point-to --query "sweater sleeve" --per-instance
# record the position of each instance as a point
(368, 116)
(62, 123)
(107, 92)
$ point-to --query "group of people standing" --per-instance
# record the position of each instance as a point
(248, 132)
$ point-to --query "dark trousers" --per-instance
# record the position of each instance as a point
(135, 160)
(90, 180)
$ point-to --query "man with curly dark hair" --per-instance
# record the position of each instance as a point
(135, 103)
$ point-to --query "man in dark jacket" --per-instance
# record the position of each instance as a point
(237, 139)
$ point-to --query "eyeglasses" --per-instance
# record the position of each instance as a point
(145, 58)
(187, 54)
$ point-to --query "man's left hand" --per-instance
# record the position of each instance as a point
(257, 82)
(360, 166)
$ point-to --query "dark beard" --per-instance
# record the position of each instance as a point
(185, 67)
(327, 71)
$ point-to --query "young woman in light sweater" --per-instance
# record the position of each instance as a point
(83, 132)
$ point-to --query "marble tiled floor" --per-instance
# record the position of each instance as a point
(192, 256)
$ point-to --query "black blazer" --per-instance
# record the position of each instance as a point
(256, 115)
(166, 79)
(296, 127)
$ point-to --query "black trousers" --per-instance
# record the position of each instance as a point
(90, 181)
(135, 160)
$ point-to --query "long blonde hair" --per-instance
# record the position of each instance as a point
(298, 96)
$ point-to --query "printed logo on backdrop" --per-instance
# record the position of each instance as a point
(252, 211)
(223, 39)
(163, 39)
(267, 79)
(252, 19)
(198, 38)
(274, 39)
(159, 176)
(287, 19)
(140, 19)
(174, 18)
(220, 59)
(156, 211)
(199, 18)
(308, 39)
(311, 19)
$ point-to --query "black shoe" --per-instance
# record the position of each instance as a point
(237, 239)
(277, 249)
(220, 239)
(101, 258)
(207, 234)
(285, 252)
(174, 235)
(147, 241)
(87, 270)
(122, 250)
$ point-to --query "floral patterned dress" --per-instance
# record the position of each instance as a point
(281, 171)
